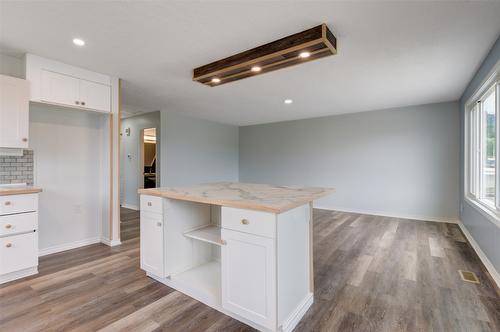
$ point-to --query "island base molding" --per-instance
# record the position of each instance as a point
(288, 325)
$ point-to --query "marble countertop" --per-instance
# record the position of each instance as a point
(18, 190)
(263, 197)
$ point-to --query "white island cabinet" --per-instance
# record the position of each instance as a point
(243, 249)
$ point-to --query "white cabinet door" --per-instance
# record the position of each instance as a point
(249, 277)
(60, 89)
(14, 112)
(18, 252)
(95, 96)
(152, 249)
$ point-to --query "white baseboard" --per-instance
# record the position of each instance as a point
(110, 243)
(291, 322)
(130, 206)
(451, 220)
(482, 256)
(18, 274)
(68, 246)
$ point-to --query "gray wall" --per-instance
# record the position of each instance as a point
(399, 162)
(68, 154)
(486, 234)
(130, 173)
(197, 151)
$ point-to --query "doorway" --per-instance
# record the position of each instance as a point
(148, 158)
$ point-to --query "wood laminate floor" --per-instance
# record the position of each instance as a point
(371, 274)
(129, 224)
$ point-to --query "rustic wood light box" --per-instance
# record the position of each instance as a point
(298, 48)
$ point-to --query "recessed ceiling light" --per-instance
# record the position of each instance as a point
(78, 41)
(304, 55)
(215, 80)
(288, 101)
(256, 69)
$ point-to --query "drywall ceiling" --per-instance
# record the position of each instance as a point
(390, 53)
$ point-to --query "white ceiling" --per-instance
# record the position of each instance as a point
(391, 54)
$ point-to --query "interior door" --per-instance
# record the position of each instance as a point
(60, 89)
(152, 235)
(95, 96)
(249, 277)
(14, 112)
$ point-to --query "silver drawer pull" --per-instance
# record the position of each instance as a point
(8, 203)
(244, 222)
(8, 226)
(8, 245)
(150, 204)
(158, 224)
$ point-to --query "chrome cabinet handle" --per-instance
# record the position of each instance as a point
(245, 221)
(8, 245)
(83, 103)
(158, 224)
(24, 139)
(149, 204)
(8, 226)
(77, 102)
(8, 203)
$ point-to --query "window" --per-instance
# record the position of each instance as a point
(483, 127)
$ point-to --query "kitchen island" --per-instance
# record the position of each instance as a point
(243, 249)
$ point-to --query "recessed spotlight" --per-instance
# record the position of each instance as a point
(288, 101)
(215, 80)
(304, 55)
(256, 69)
(78, 41)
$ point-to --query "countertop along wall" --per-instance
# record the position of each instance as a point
(197, 151)
(397, 162)
(484, 232)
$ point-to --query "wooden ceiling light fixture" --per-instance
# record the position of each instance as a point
(301, 47)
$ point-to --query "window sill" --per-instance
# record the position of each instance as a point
(492, 216)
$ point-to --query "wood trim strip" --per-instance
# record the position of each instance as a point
(110, 176)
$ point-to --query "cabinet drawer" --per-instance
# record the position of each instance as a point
(249, 221)
(18, 203)
(18, 252)
(18, 223)
(151, 204)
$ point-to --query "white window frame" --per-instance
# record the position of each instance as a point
(472, 156)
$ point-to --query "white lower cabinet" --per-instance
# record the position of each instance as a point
(18, 236)
(152, 244)
(18, 252)
(249, 277)
(251, 265)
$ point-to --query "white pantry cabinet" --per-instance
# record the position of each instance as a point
(14, 112)
(57, 83)
(249, 277)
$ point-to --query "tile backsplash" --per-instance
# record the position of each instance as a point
(17, 169)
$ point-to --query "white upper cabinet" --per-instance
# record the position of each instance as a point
(14, 112)
(60, 89)
(52, 82)
(95, 95)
